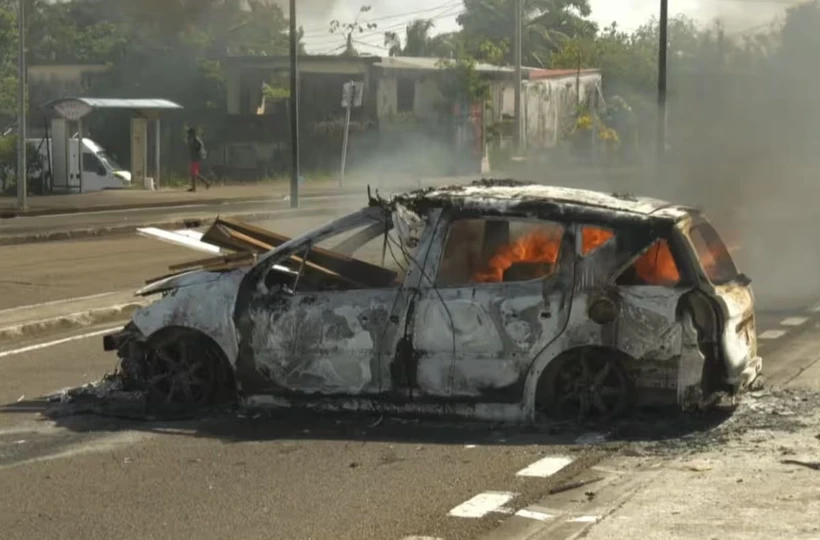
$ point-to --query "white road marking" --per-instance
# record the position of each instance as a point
(794, 321)
(482, 504)
(815, 309)
(48, 344)
(585, 519)
(545, 467)
(422, 538)
(772, 334)
(469, 446)
(56, 302)
(533, 514)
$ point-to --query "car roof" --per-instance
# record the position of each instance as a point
(512, 196)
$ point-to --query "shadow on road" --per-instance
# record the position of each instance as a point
(234, 425)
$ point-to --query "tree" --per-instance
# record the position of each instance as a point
(419, 42)
(348, 30)
(546, 25)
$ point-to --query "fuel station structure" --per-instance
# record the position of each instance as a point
(67, 113)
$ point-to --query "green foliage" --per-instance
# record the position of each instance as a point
(546, 25)
(462, 82)
(8, 166)
(419, 42)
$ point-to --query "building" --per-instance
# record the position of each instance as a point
(404, 110)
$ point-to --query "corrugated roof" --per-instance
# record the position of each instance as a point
(430, 64)
(535, 74)
(110, 103)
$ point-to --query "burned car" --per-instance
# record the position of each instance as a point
(496, 300)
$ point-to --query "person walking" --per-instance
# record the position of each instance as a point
(197, 153)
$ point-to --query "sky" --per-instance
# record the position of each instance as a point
(393, 15)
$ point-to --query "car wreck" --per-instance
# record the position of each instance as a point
(498, 300)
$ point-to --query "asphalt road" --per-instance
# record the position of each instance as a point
(230, 477)
(43, 272)
(275, 476)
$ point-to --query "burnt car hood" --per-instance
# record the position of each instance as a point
(188, 279)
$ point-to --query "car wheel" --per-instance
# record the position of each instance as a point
(186, 368)
(587, 385)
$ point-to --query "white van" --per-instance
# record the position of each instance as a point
(99, 170)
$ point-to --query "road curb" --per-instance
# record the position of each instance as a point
(11, 213)
(190, 223)
(81, 319)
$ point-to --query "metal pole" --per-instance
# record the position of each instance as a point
(80, 152)
(345, 138)
(518, 59)
(662, 61)
(294, 110)
(157, 145)
(22, 171)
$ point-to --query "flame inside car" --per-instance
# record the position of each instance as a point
(656, 266)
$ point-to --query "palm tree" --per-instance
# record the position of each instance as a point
(418, 41)
(547, 23)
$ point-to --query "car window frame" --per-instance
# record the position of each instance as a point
(564, 254)
(699, 222)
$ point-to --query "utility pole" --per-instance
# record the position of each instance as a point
(663, 45)
(517, 59)
(294, 109)
(22, 171)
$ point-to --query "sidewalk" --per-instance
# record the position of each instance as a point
(136, 198)
(757, 477)
(36, 320)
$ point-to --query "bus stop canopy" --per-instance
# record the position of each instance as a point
(75, 108)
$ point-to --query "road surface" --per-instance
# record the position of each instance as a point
(44, 272)
(274, 476)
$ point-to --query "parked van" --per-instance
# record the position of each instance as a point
(99, 170)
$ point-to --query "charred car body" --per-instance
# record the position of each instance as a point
(497, 300)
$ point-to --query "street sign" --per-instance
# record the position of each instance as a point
(72, 109)
(352, 93)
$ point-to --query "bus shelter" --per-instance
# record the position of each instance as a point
(66, 116)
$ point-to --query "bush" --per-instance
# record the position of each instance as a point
(8, 167)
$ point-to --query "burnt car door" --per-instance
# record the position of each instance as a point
(498, 291)
(318, 321)
(631, 279)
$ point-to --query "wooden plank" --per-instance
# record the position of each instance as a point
(249, 258)
(369, 274)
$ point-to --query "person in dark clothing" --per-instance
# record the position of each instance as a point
(196, 150)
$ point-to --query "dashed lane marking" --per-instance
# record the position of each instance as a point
(794, 321)
(772, 334)
(545, 467)
(422, 538)
(482, 504)
(534, 514)
(585, 519)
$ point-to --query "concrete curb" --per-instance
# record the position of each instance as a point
(72, 321)
(190, 223)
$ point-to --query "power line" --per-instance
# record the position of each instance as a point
(379, 33)
(403, 15)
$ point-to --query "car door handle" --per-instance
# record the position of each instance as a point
(546, 314)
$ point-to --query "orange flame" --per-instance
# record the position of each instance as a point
(594, 237)
(657, 266)
(541, 246)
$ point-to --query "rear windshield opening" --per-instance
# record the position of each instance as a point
(713, 254)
